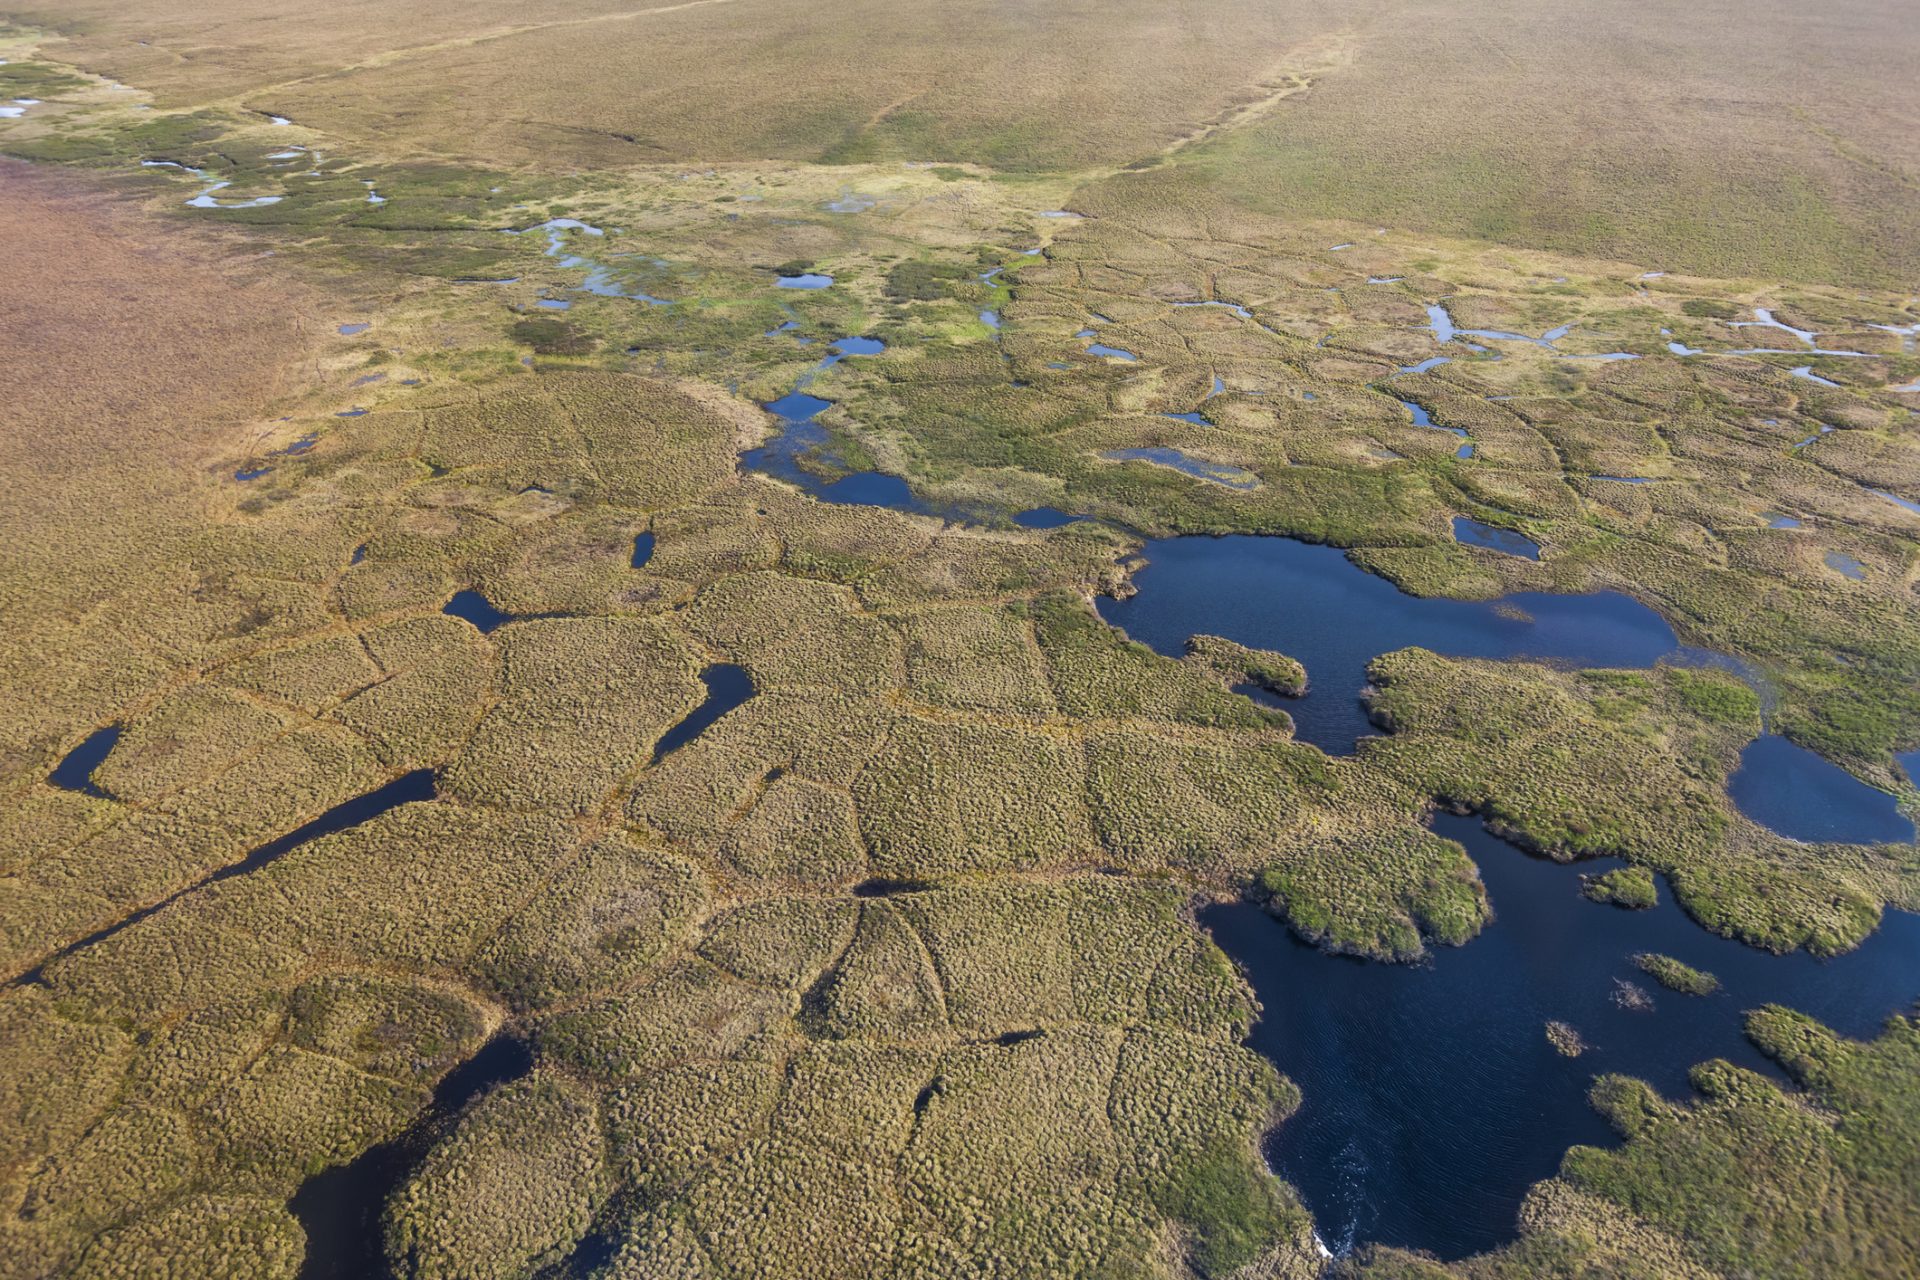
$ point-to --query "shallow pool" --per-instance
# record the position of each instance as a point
(1493, 538)
(1219, 473)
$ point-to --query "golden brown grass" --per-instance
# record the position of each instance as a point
(130, 360)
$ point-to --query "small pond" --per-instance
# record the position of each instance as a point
(471, 606)
(728, 686)
(75, 770)
(1045, 518)
(1802, 796)
(1506, 541)
(1845, 565)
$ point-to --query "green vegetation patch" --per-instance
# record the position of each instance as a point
(1675, 975)
(1633, 888)
(918, 279)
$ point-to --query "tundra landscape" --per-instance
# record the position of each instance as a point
(741, 640)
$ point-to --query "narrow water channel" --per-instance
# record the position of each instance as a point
(408, 788)
(341, 1207)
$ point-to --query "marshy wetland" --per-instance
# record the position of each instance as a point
(978, 661)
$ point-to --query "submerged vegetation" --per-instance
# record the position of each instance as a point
(334, 469)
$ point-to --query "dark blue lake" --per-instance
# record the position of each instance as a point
(1313, 604)
(1432, 1098)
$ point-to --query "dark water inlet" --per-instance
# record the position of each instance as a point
(408, 788)
(801, 436)
(1431, 1097)
(871, 489)
(1045, 518)
(75, 770)
(340, 1208)
(728, 686)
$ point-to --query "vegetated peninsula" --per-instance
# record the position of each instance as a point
(724, 640)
